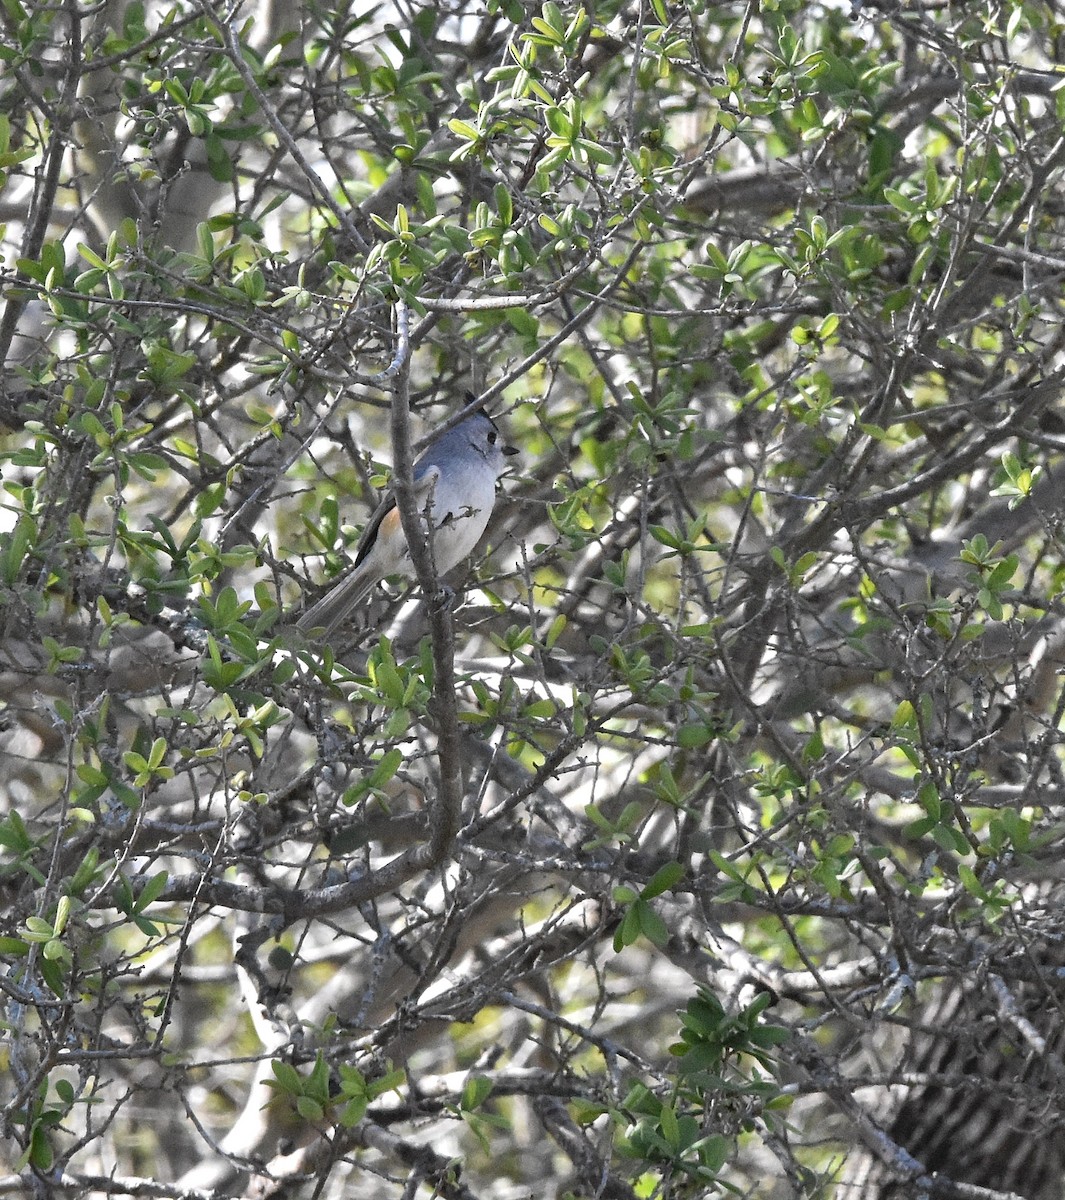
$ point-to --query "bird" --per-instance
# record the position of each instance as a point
(455, 484)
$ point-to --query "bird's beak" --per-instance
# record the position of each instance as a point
(509, 450)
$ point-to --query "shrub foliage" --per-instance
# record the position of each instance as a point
(661, 858)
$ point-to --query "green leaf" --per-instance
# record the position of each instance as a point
(309, 1109)
(651, 924)
(628, 931)
(353, 1111)
(14, 547)
(663, 880)
(463, 129)
(903, 203)
(152, 890)
(287, 1078)
(475, 1091)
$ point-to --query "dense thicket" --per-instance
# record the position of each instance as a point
(706, 840)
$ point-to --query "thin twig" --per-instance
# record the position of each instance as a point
(446, 812)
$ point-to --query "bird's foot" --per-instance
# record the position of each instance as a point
(444, 598)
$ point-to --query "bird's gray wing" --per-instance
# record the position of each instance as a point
(422, 483)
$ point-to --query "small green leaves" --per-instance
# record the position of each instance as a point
(815, 339)
(9, 157)
(1019, 480)
(618, 829)
(471, 1108)
(710, 1036)
(134, 904)
(640, 918)
(735, 272)
(738, 887)
(322, 1097)
(165, 367)
(992, 575)
(39, 1117)
(714, 1059)
(691, 539)
(797, 571)
(357, 1092)
(151, 769)
(375, 781)
(670, 1132)
(922, 202)
(15, 544)
(552, 31)
(939, 822)
(310, 1094)
(398, 687)
(48, 934)
(994, 902)
(15, 840)
(771, 303)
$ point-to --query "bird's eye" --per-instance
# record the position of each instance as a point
(492, 437)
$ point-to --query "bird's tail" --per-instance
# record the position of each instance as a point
(337, 603)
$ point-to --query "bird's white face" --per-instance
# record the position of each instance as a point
(488, 441)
